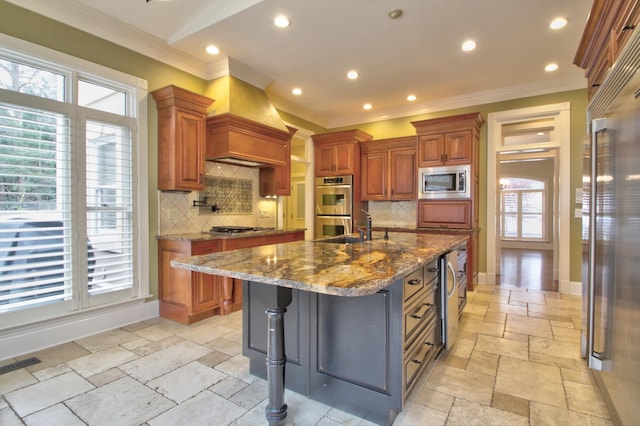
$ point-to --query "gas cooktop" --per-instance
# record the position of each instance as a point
(236, 229)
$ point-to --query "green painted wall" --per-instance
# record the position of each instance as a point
(20, 23)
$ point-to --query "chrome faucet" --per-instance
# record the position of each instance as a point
(368, 224)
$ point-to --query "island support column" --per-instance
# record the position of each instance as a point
(276, 410)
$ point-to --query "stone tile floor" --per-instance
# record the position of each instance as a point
(516, 362)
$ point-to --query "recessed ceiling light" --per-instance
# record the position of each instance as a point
(212, 50)
(367, 106)
(394, 13)
(551, 67)
(281, 21)
(468, 45)
(352, 75)
(297, 91)
(411, 98)
(558, 23)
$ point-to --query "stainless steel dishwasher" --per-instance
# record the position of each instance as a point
(449, 271)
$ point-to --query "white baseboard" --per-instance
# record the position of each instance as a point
(564, 287)
(28, 339)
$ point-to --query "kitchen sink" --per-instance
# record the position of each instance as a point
(341, 239)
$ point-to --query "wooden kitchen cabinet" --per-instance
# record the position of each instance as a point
(338, 153)
(444, 214)
(186, 296)
(181, 138)
(388, 169)
(608, 29)
(445, 149)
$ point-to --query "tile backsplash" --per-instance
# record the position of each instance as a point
(396, 214)
(236, 195)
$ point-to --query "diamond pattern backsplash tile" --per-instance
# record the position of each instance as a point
(228, 195)
(178, 214)
(397, 214)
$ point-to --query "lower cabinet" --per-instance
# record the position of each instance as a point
(186, 296)
(362, 354)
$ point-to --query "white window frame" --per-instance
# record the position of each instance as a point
(75, 68)
(519, 214)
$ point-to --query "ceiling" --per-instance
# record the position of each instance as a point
(419, 53)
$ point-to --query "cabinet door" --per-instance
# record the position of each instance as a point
(275, 181)
(431, 150)
(206, 291)
(325, 160)
(374, 175)
(344, 159)
(189, 141)
(444, 214)
(403, 175)
(457, 147)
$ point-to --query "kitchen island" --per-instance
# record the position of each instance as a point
(362, 319)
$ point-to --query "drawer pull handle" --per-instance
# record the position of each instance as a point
(420, 315)
(432, 270)
(415, 281)
(420, 361)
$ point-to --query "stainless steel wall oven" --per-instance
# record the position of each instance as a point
(334, 206)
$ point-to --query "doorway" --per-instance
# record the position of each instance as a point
(520, 144)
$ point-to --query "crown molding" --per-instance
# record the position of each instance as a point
(115, 31)
(471, 99)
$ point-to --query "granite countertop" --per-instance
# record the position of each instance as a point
(206, 235)
(329, 268)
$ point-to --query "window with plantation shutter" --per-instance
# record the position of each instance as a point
(69, 161)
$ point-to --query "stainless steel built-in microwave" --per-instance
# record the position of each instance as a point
(445, 182)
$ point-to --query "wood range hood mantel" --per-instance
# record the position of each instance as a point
(238, 140)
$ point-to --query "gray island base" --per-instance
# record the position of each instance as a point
(362, 353)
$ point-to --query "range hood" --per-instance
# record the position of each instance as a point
(237, 140)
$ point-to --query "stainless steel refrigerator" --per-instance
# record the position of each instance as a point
(611, 237)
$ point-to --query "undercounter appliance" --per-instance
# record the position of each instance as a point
(334, 206)
(444, 182)
(610, 335)
(449, 295)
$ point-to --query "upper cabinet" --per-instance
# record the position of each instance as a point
(338, 153)
(389, 169)
(607, 30)
(181, 138)
(448, 140)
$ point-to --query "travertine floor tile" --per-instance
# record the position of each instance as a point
(106, 377)
(15, 380)
(530, 380)
(238, 367)
(556, 348)
(557, 361)
(483, 362)
(577, 376)
(546, 415)
(200, 410)
(508, 309)
(228, 387)
(530, 326)
(304, 411)
(481, 327)
(462, 384)
(9, 418)
(98, 362)
(417, 414)
(186, 381)
(55, 355)
(473, 308)
(510, 403)
(225, 346)
(470, 413)
(251, 395)
(41, 395)
(125, 401)
(205, 333)
(566, 334)
(50, 372)
(433, 399)
(161, 362)
(585, 399)
(462, 348)
(57, 415)
(496, 317)
(500, 346)
(340, 417)
(102, 341)
(527, 297)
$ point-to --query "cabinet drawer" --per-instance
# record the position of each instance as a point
(444, 214)
(418, 315)
(421, 355)
(413, 283)
(431, 271)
